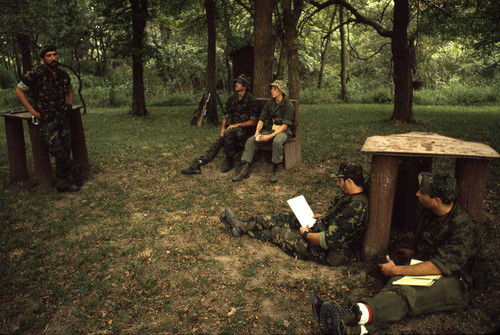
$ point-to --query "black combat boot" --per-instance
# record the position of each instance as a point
(64, 186)
(239, 226)
(194, 168)
(76, 172)
(337, 321)
(244, 174)
(274, 175)
(228, 164)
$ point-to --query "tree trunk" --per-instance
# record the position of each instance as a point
(139, 19)
(265, 40)
(290, 20)
(24, 43)
(403, 90)
(344, 95)
(280, 68)
(211, 61)
(324, 49)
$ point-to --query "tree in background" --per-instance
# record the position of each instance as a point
(265, 40)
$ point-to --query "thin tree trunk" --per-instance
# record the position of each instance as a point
(403, 90)
(280, 68)
(265, 40)
(139, 19)
(324, 49)
(24, 43)
(290, 20)
(343, 59)
(211, 61)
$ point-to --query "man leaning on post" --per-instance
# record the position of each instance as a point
(448, 245)
(52, 97)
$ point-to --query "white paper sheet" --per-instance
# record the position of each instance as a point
(302, 211)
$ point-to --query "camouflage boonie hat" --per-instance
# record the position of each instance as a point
(281, 85)
(45, 49)
(440, 185)
(352, 171)
(244, 80)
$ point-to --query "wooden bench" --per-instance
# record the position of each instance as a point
(43, 169)
(292, 150)
(417, 150)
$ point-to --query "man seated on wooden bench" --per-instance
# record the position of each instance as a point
(448, 245)
(335, 234)
(273, 127)
(238, 123)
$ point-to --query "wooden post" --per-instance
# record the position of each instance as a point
(43, 168)
(471, 177)
(78, 144)
(16, 149)
(382, 188)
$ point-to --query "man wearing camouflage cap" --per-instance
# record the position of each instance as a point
(336, 233)
(51, 98)
(273, 127)
(447, 244)
(238, 123)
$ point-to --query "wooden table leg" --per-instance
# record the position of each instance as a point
(382, 187)
(471, 177)
(43, 168)
(16, 149)
(78, 144)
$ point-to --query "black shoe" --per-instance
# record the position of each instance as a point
(222, 217)
(330, 321)
(194, 168)
(228, 165)
(316, 303)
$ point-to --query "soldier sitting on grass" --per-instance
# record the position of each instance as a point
(448, 245)
(339, 230)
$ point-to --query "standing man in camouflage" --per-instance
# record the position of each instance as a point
(273, 127)
(337, 232)
(448, 245)
(52, 96)
(238, 123)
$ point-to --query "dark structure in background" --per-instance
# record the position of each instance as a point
(243, 62)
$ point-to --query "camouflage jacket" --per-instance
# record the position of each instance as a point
(450, 242)
(241, 111)
(344, 223)
(48, 94)
(278, 114)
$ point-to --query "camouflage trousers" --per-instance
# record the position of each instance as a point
(252, 145)
(395, 302)
(283, 231)
(229, 142)
(56, 138)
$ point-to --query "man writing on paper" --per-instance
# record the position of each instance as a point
(447, 244)
(340, 229)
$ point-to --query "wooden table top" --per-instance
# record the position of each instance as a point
(426, 144)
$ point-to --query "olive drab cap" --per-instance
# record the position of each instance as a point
(244, 80)
(352, 171)
(45, 49)
(281, 85)
(441, 185)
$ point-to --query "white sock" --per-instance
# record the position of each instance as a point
(365, 314)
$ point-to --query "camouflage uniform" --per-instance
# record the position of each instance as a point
(49, 99)
(451, 242)
(341, 229)
(236, 112)
(277, 114)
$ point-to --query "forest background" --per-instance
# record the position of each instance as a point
(454, 46)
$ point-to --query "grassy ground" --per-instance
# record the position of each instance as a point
(140, 250)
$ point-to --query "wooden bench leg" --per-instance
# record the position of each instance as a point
(78, 144)
(16, 149)
(43, 168)
(471, 177)
(382, 188)
(293, 154)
